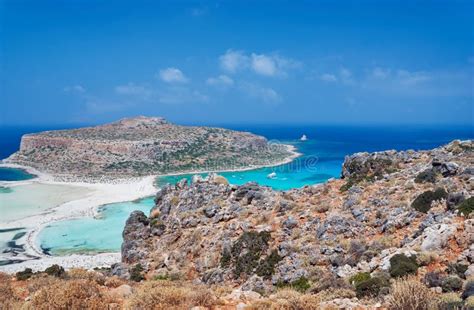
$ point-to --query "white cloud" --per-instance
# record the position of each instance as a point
(172, 75)
(346, 76)
(233, 61)
(327, 77)
(264, 65)
(404, 82)
(267, 65)
(220, 81)
(412, 78)
(266, 95)
(380, 73)
(133, 89)
(75, 88)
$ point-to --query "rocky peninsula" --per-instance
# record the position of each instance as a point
(143, 146)
(396, 231)
(393, 214)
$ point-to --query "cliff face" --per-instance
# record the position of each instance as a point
(417, 204)
(143, 146)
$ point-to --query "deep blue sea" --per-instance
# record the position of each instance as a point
(323, 153)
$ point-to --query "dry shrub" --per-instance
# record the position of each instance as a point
(426, 258)
(114, 281)
(40, 281)
(8, 299)
(169, 295)
(287, 299)
(410, 294)
(331, 294)
(73, 294)
(79, 273)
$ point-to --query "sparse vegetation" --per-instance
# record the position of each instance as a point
(427, 176)
(301, 285)
(423, 202)
(410, 294)
(370, 287)
(450, 301)
(136, 273)
(466, 207)
(24, 275)
(55, 271)
(402, 265)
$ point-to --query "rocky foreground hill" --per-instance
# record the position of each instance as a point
(393, 214)
(143, 146)
(396, 232)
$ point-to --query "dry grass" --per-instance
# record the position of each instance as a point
(72, 294)
(78, 274)
(410, 294)
(331, 294)
(8, 298)
(169, 295)
(287, 299)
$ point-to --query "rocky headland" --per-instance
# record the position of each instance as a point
(396, 231)
(392, 214)
(144, 146)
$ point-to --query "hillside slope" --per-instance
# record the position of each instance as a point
(144, 146)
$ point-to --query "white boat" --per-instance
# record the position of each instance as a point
(303, 138)
(272, 175)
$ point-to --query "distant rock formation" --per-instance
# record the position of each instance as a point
(143, 146)
(365, 225)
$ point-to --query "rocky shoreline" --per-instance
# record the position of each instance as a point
(392, 214)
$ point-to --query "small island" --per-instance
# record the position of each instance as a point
(142, 146)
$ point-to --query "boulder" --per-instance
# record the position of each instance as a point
(435, 237)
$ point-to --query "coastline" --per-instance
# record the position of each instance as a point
(103, 193)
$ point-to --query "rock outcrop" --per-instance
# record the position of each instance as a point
(143, 146)
(257, 238)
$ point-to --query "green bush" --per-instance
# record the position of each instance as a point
(136, 273)
(55, 271)
(451, 284)
(300, 285)
(370, 287)
(450, 301)
(423, 202)
(266, 267)
(402, 265)
(359, 277)
(24, 275)
(249, 255)
(457, 269)
(466, 207)
(429, 175)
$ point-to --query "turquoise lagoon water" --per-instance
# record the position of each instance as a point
(92, 235)
(13, 174)
(315, 166)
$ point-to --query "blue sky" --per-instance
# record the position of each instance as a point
(291, 62)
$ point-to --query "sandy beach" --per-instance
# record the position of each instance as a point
(99, 194)
(106, 192)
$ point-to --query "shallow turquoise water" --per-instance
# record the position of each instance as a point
(13, 174)
(316, 165)
(91, 235)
